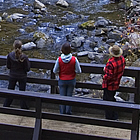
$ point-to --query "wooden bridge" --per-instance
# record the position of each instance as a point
(12, 132)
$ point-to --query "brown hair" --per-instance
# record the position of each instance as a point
(17, 48)
(66, 49)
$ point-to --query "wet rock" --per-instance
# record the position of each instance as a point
(13, 17)
(136, 63)
(38, 35)
(99, 58)
(110, 41)
(84, 53)
(62, 3)
(21, 31)
(114, 35)
(88, 25)
(122, 5)
(29, 46)
(127, 82)
(4, 15)
(77, 42)
(101, 22)
(99, 32)
(41, 43)
(0, 19)
(17, 16)
(38, 5)
(91, 55)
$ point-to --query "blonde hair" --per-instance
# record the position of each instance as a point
(17, 48)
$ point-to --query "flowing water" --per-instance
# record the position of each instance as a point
(67, 19)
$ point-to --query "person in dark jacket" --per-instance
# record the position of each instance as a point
(19, 65)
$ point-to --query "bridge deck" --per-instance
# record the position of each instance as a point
(68, 127)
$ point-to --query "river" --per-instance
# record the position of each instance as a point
(82, 11)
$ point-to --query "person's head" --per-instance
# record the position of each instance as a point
(17, 47)
(17, 44)
(66, 49)
(115, 51)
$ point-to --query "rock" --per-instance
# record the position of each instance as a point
(29, 46)
(127, 82)
(77, 42)
(0, 19)
(99, 58)
(117, 97)
(4, 15)
(134, 39)
(88, 25)
(114, 35)
(99, 32)
(17, 16)
(136, 63)
(41, 43)
(101, 22)
(91, 55)
(110, 41)
(38, 5)
(84, 53)
(62, 3)
(21, 31)
(38, 35)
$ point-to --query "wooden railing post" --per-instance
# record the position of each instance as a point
(135, 115)
(137, 84)
(135, 125)
(53, 87)
(38, 123)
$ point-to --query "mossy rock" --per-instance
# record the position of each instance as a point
(88, 25)
(38, 35)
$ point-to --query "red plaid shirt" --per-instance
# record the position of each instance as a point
(113, 72)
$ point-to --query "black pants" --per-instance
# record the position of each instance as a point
(22, 87)
(109, 96)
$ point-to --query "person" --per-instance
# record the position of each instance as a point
(19, 65)
(67, 66)
(113, 72)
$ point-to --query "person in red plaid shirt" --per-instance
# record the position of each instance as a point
(113, 72)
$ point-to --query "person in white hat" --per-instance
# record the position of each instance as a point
(113, 72)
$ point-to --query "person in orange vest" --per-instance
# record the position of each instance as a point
(66, 66)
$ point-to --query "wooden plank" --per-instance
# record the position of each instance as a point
(16, 111)
(61, 135)
(74, 101)
(86, 67)
(86, 120)
(54, 82)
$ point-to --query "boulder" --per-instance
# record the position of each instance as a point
(62, 3)
(29, 46)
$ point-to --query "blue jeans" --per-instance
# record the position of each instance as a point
(22, 87)
(66, 88)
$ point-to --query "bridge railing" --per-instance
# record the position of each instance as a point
(12, 132)
(39, 98)
(86, 68)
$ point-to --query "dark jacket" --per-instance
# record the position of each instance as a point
(18, 69)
